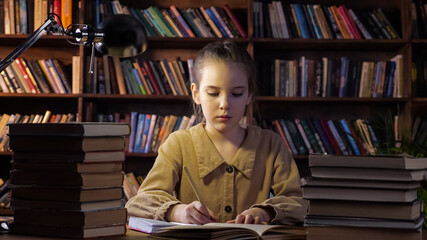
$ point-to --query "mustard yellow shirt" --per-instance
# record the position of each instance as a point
(261, 165)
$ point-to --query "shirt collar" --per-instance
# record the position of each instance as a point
(209, 159)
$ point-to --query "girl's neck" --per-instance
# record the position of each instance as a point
(235, 136)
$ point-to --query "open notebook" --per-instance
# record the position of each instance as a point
(170, 230)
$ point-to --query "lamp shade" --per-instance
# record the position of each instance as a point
(124, 36)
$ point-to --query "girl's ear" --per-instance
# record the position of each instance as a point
(195, 93)
(249, 99)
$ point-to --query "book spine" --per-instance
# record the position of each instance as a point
(303, 135)
(235, 21)
(181, 20)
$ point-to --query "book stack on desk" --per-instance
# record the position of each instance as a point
(67, 179)
(364, 197)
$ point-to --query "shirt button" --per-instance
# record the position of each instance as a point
(228, 209)
(229, 169)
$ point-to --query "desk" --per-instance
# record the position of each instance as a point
(130, 235)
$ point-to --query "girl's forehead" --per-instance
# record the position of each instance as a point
(219, 73)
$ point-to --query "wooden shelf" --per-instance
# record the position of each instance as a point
(330, 44)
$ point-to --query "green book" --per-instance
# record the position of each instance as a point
(158, 19)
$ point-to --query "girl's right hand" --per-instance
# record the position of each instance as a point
(194, 213)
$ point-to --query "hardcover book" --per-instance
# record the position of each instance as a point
(75, 194)
(86, 129)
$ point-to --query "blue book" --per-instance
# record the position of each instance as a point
(145, 132)
(302, 21)
(314, 22)
(350, 137)
(343, 77)
(323, 137)
(337, 137)
(390, 87)
(138, 134)
(139, 81)
(217, 23)
(133, 121)
(23, 21)
(377, 78)
(150, 133)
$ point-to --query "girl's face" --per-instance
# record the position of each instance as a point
(223, 95)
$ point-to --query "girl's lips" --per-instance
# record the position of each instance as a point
(225, 117)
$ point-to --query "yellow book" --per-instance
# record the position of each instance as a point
(168, 78)
(172, 23)
(175, 76)
(211, 23)
(119, 75)
(66, 12)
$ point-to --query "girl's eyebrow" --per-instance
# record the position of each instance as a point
(215, 87)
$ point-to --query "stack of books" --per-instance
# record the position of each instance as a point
(364, 197)
(67, 179)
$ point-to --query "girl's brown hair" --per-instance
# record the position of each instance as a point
(226, 52)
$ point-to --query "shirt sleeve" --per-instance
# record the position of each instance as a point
(288, 204)
(156, 194)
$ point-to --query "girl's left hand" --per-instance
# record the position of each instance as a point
(253, 216)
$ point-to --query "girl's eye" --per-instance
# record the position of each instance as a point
(237, 94)
(213, 94)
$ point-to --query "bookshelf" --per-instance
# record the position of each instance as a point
(87, 105)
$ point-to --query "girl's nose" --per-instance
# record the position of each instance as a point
(225, 104)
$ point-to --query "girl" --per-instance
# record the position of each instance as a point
(234, 168)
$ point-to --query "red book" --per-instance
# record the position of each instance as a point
(57, 10)
(282, 134)
(331, 137)
(152, 77)
(348, 21)
(153, 83)
(26, 77)
(235, 21)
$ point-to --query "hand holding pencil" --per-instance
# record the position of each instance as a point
(195, 212)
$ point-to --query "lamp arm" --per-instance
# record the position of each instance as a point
(50, 22)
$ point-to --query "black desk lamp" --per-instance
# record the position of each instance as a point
(119, 35)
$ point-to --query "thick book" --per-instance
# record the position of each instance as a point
(359, 183)
(364, 222)
(398, 162)
(357, 233)
(79, 157)
(77, 194)
(171, 230)
(368, 173)
(71, 218)
(17, 203)
(87, 129)
(70, 232)
(359, 194)
(66, 179)
(59, 144)
(365, 209)
(67, 167)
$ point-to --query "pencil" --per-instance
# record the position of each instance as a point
(192, 183)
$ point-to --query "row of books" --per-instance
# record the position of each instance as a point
(67, 179)
(146, 77)
(24, 118)
(131, 185)
(364, 197)
(174, 22)
(419, 18)
(419, 78)
(24, 17)
(278, 19)
(315, 136)
(35, 76)
(332, 77)
(149, 131)
(4, 194)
